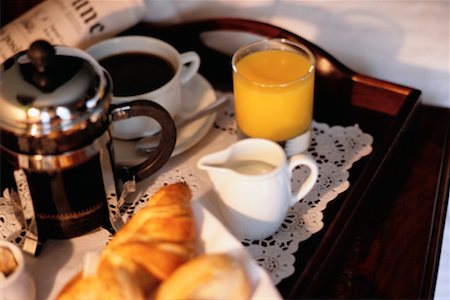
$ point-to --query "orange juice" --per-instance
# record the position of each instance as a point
(274, 91)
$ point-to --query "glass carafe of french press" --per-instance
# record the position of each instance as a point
(57, 160)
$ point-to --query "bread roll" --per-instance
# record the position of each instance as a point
(209, 276)
(7, 261)
(147, 250)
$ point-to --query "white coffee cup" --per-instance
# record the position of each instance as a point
(19, 284)
(185, 66)
(253, 180)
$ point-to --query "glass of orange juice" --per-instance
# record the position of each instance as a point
(273, 83)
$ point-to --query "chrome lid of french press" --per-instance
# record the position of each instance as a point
(50, 92)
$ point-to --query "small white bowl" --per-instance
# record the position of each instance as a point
(19, 284)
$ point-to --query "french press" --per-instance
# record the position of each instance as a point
(57, 154)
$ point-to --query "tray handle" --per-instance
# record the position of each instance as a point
(333, 79)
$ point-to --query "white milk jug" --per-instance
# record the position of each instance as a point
(253, 180)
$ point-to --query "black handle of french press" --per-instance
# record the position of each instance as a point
(167, 142)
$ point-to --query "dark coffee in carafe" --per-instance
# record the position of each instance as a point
(67, 201)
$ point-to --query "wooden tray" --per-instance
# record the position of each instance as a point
(342, 97)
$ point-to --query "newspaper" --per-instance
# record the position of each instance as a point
(74, 23)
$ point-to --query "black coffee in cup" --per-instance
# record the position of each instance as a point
(144, 68)
(135, 73)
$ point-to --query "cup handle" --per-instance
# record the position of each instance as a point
(166, 145)
(303, 159)
(191, 60)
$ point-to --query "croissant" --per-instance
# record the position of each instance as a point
(156, 240)
(208, 276)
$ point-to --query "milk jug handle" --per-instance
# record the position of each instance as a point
(306, 187)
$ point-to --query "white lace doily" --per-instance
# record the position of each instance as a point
(334, 148)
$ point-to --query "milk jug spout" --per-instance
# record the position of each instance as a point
(216, 166)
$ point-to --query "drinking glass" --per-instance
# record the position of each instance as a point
(273, 82)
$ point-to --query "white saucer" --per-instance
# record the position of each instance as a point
(196, 94)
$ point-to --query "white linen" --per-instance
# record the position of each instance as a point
(406, 42)
(442, 291)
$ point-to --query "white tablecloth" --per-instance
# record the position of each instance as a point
(403, 41)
